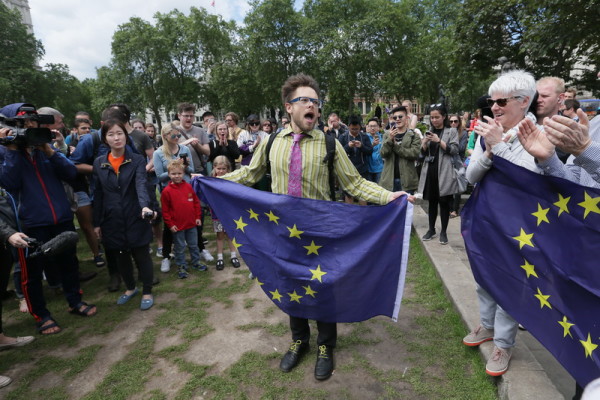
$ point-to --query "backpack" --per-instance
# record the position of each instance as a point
(329, 158)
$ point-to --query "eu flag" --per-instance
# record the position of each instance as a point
(317, 259)
(533, 242)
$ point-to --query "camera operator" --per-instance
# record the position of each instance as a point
(32, 172)
(401, 147)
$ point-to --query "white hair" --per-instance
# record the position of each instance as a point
(515, 83)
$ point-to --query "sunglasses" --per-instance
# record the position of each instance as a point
(501, 102)
(253, 123)
(175, 135)
(454, 121)
(397, 117)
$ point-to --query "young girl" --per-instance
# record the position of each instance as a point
(221, 166)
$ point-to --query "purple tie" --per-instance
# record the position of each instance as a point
(295, 178)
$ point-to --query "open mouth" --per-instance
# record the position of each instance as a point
(309, 117)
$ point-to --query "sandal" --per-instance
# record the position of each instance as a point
(83, 309)
(220, 265)
(42, 326)
(235, 262)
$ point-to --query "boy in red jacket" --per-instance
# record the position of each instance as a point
(182, 213)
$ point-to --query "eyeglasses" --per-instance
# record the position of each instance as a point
(253, 123)
(454, 121)
(228, 120)
(397, 117)
(305, 101)
(175, 135)
(501, 102)
(266, 125)
(187, 116)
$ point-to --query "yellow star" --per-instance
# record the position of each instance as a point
(317, 274)
(588, 346)
(272, 217)
(590, 204)
(240, 224)
(312, 249)
(259, 282)
(294, 232)
(566, 327)
(524, 239)
(235, 243)
(529, 269)
(309, 291)
(253, 215)
(295, 297)
(276, 295)
(543, 299)
(562, 204)
(541, 214)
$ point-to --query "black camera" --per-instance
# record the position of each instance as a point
(148, 215)
(184, 158)
(27, 136)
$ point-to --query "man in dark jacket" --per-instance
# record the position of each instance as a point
(359, 148)
(33, 175)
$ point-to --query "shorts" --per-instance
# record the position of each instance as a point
(83, 199)
(218, 226)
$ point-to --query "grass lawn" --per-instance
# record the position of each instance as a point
(216, 335)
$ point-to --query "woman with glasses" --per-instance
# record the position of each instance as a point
(438, 178)
(510, 98)
(463, 140)
(249, 139)
(170, 150)
(266, 126)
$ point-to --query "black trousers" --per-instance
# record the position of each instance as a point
(301, 331)
(143, 261)
(444, 202)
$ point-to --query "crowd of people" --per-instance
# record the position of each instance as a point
(130, 186)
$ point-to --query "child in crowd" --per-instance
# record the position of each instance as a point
(182, 213)
(222, 166)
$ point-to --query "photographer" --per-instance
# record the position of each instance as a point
(32, 172)
(401, 147)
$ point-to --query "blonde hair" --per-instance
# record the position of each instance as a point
(175, 164)
(220, 160)
(165, 131)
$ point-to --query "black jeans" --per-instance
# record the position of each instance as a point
(444, 202)
(66, 263)
(301, 331)
(143, 261)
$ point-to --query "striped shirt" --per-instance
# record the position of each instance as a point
(315, 175)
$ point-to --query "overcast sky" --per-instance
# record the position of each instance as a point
(79, 33)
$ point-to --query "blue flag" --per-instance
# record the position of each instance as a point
(315, 259)
(533, 242)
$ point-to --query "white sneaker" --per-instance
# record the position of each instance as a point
(165, 265)
(4, 381)
(206, 255)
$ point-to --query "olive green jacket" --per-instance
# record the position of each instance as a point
(404, 154)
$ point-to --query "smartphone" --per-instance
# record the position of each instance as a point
(392, 125)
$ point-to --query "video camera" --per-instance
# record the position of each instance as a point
(22, 136)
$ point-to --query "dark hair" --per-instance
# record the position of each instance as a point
(183, 107)
(252, 118)
(442, 110)
(82, 114)
(79, 121)
(354, 120)
(399, 108)
(111, 113)
(572, 103)
(124, 109)
(374, 119)
(138, 120)
(207, 114)
(109, 125)
(294, 82)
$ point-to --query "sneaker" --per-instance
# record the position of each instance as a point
(443, 238)
(149, 250)
(429, 235)
(165, 265)
(205, 241)
(251, 276)
(182, 273)
(199, 267)
(99, 261)
(159, 252)
(478, 335)
(497, 364)
(206, 255)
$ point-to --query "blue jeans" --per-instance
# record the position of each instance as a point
(494, 317)
(180, 238)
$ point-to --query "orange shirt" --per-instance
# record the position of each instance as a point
(116, 162)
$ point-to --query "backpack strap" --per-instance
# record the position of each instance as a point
(267, 154)
(97, 142)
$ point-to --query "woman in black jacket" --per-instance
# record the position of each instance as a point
(121, 211)
(221, 146)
